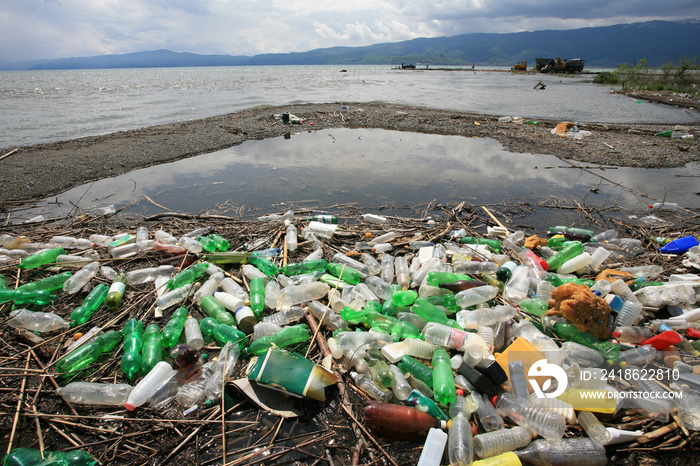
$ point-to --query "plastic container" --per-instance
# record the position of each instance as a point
(593, 427)
(496, 442)
(142, 391)
(460, 450)
(301, 293)
(433, 449)
(81, 278)
(90, 393)
(539, 419)
(569, 451)
(193, 334)
(36, 321)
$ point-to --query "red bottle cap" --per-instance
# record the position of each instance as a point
(616, 334)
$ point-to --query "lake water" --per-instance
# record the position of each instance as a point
(370, 169)
(379, 171)
(45, 106)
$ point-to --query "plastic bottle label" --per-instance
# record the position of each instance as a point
(119, 287)
(243, 312)
(456, 339)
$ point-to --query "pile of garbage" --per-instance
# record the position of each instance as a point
(497, 348)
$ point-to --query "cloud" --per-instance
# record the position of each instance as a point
(33, 29)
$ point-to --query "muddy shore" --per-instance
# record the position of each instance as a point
(39, 171)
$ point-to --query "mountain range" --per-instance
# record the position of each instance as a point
(657, 41)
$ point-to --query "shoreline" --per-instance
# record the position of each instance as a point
(42, 170)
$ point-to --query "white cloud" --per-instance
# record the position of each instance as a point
(32, 29)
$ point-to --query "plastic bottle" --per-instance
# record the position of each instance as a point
(401, 387)
(593, 427)
(106, 394)
(518, 381)
(687, 402)
(576, 264)
(568, 252)
(36, 321)
(476, 295)
(221, 371)
(213, 308)
(394, 417)
(450, 337)
(88, 353)
(152, 350)
(193, 334)
(538, 419)
(31, 456)
(90, 304)
(637, 356)
(193, 390)
(664, 206)
(133, 343)
(401, 270)
(286, 336)
(517, 287)
(187, 276)
(569, 451)
(496, 442)
(460, 448)
(327, 318)
(115, 295)
(443, 379)
(81, 278)
(373, 390)
(298, 294)
(630, 313)
(488, 417)
(41, 258)
(143, 390)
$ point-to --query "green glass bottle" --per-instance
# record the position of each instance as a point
(152, 352)
(311, 266)
(213, 308)
(257, 295)
(187, 276)
(493, 244)
(265, 265)
(115, 296)
(569, 251)
(347, 274)
(222, 243)
(88, 353)
(444, 389)
(52, 283)
(41, 258)
(174, 328)
(208, 244)
(417, 369)
(133, 343)
(429, 311)
(404, 298)
(91, 303)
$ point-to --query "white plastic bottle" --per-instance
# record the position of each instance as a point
(433, 448)
(142, 391)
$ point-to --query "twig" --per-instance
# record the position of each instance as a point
(364, 431)
(8, 154)
(19, 407)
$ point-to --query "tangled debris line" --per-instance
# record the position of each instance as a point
(333, 427)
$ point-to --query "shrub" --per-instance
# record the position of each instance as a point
(606, 77)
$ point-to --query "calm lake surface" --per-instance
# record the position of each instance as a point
(377, 171)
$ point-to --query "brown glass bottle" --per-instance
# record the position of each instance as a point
(398, 421)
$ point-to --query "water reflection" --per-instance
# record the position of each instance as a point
(374, 168)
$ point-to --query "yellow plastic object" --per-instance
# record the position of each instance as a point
(597, 401)
(504, 459)
(521, 350)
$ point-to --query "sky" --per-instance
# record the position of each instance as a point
(40, 29)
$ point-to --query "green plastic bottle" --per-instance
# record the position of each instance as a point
(91, 303)
(533, 306)
(222, 243)
(379, 370)
(133, 343)
(404, 298)
(115, 296)
(213, 308)
(311, 266)
(52, 283)
(381, 322)
(557, 281)
(443, 379)
(425, 404)
(494, 244)
(570, 332)
(41, 258)
(348, 274)
(265, 265)
(438, 278)
(3, 282)
(429, 311)
(187, 276)
(569, 251)
(333, 281)
(21, 297)
(224, 333)
(417, 369)
(402, 330)
(174, 328)
(257, 295)
(229, 257)
(88, 353)
(288, 336)
(322, 218)
(207, 326)
(152, 352)
(208, 244)
(32, 456)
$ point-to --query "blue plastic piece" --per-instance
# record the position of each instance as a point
(679, 246)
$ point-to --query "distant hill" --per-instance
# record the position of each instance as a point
(657, 41)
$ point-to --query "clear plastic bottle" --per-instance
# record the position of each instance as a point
(221, 372)
(687, 402)
(517, 287)
(36, 321)
(630, 313)
(401, 388)
(460, 449)
(90, 393)
(143, 390)
(193, 334)
(443, 335)
(569, 451)
(176, 296)
(632, 334)
(301, 293)
(285, 317)
(518, 381)
(372, 389)
(496, 442)
(593, 427)
(149, 274)
(193, 390)
(545, 344)
(576, 264)
(208, 287)
(403, 278)
(621, 290)
(539, 419)
(488, 416)
(272, 294)
(326, 318)
(477, 295)
(81, 278)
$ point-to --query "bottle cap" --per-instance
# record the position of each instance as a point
(129, 406)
